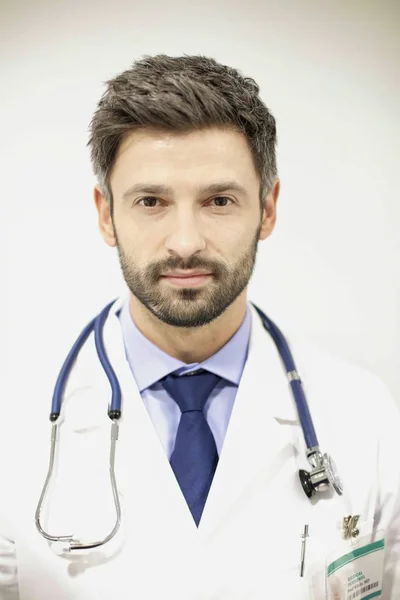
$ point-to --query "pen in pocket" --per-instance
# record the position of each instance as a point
(304, 537)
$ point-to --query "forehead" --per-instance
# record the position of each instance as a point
(195, 154)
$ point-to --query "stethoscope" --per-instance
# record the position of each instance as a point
(323, 470)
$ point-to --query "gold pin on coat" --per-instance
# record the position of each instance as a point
(350, 529)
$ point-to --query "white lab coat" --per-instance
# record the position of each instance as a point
(248, 544)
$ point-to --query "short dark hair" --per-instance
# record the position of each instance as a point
(181, 94)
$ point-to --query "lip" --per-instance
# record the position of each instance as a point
(187, 281)
(186, 274)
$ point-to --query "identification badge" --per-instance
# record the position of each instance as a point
(358, 574)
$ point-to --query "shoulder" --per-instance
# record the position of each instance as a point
(354, 387)
(336, 388)
(352, 408)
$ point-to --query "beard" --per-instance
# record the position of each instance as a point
(188, 307)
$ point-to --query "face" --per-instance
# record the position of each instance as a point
(186, 205)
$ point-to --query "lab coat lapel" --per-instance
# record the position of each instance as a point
(256, 445)
(143, 470)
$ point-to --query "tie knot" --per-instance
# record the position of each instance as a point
(190, 392)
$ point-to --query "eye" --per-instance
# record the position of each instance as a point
(149, 201)
(220, 201)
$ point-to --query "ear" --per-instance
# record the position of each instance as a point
(269, 211)
(104, 217)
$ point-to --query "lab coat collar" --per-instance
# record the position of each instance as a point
(264, 352)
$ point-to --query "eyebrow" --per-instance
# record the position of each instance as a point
(214, 188)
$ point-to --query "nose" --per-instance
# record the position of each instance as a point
(185, 238)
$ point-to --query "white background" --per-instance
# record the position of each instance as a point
(329, 71)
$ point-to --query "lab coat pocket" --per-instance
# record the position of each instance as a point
(331, 538)
(358, 572)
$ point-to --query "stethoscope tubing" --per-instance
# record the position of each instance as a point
(306, 422)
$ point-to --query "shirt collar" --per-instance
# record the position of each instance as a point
(149, 363)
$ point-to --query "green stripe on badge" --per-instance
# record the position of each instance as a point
(358, 553)
(374, 595)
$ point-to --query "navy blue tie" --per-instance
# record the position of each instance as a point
(195, 457)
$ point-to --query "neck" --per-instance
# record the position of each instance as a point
(192, 345)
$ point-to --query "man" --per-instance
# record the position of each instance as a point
(210, 444)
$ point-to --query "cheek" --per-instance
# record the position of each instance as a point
(129, 234)
(136, 245)
(234, 239)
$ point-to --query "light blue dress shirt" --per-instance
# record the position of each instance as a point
(149, 364)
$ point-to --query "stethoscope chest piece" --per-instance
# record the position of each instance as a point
(322, 475)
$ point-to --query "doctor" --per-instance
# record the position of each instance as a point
(210, 443)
